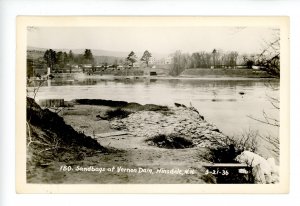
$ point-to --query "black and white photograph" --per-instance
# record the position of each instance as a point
(142, 100)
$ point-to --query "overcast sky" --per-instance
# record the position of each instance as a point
(154, 39)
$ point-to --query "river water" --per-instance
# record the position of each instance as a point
(227, 103)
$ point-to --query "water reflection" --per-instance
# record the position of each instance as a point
(232, 83)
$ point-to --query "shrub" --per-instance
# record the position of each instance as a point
(170, 142)
(227, 154)
(117, 113)
(234, 147)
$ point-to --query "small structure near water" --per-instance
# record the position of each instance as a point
(51, 102)
(153, 74)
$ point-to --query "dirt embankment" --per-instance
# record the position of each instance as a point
(50, 139)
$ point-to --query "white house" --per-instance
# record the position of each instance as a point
(168, 60)
(136, 64)
(152, 60)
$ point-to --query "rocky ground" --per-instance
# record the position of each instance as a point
(179, 121)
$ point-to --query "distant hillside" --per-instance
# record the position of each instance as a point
(99, 52)
(35, 53)
(107, 59)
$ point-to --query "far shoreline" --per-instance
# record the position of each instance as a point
(197, 74)
(68, 76)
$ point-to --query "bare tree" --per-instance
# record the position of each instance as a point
(273, 141)
(35, 88)
(269, 58)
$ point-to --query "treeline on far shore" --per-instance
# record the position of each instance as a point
(218, 59)
(176, 63)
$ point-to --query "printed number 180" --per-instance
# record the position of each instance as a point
(65, 168)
